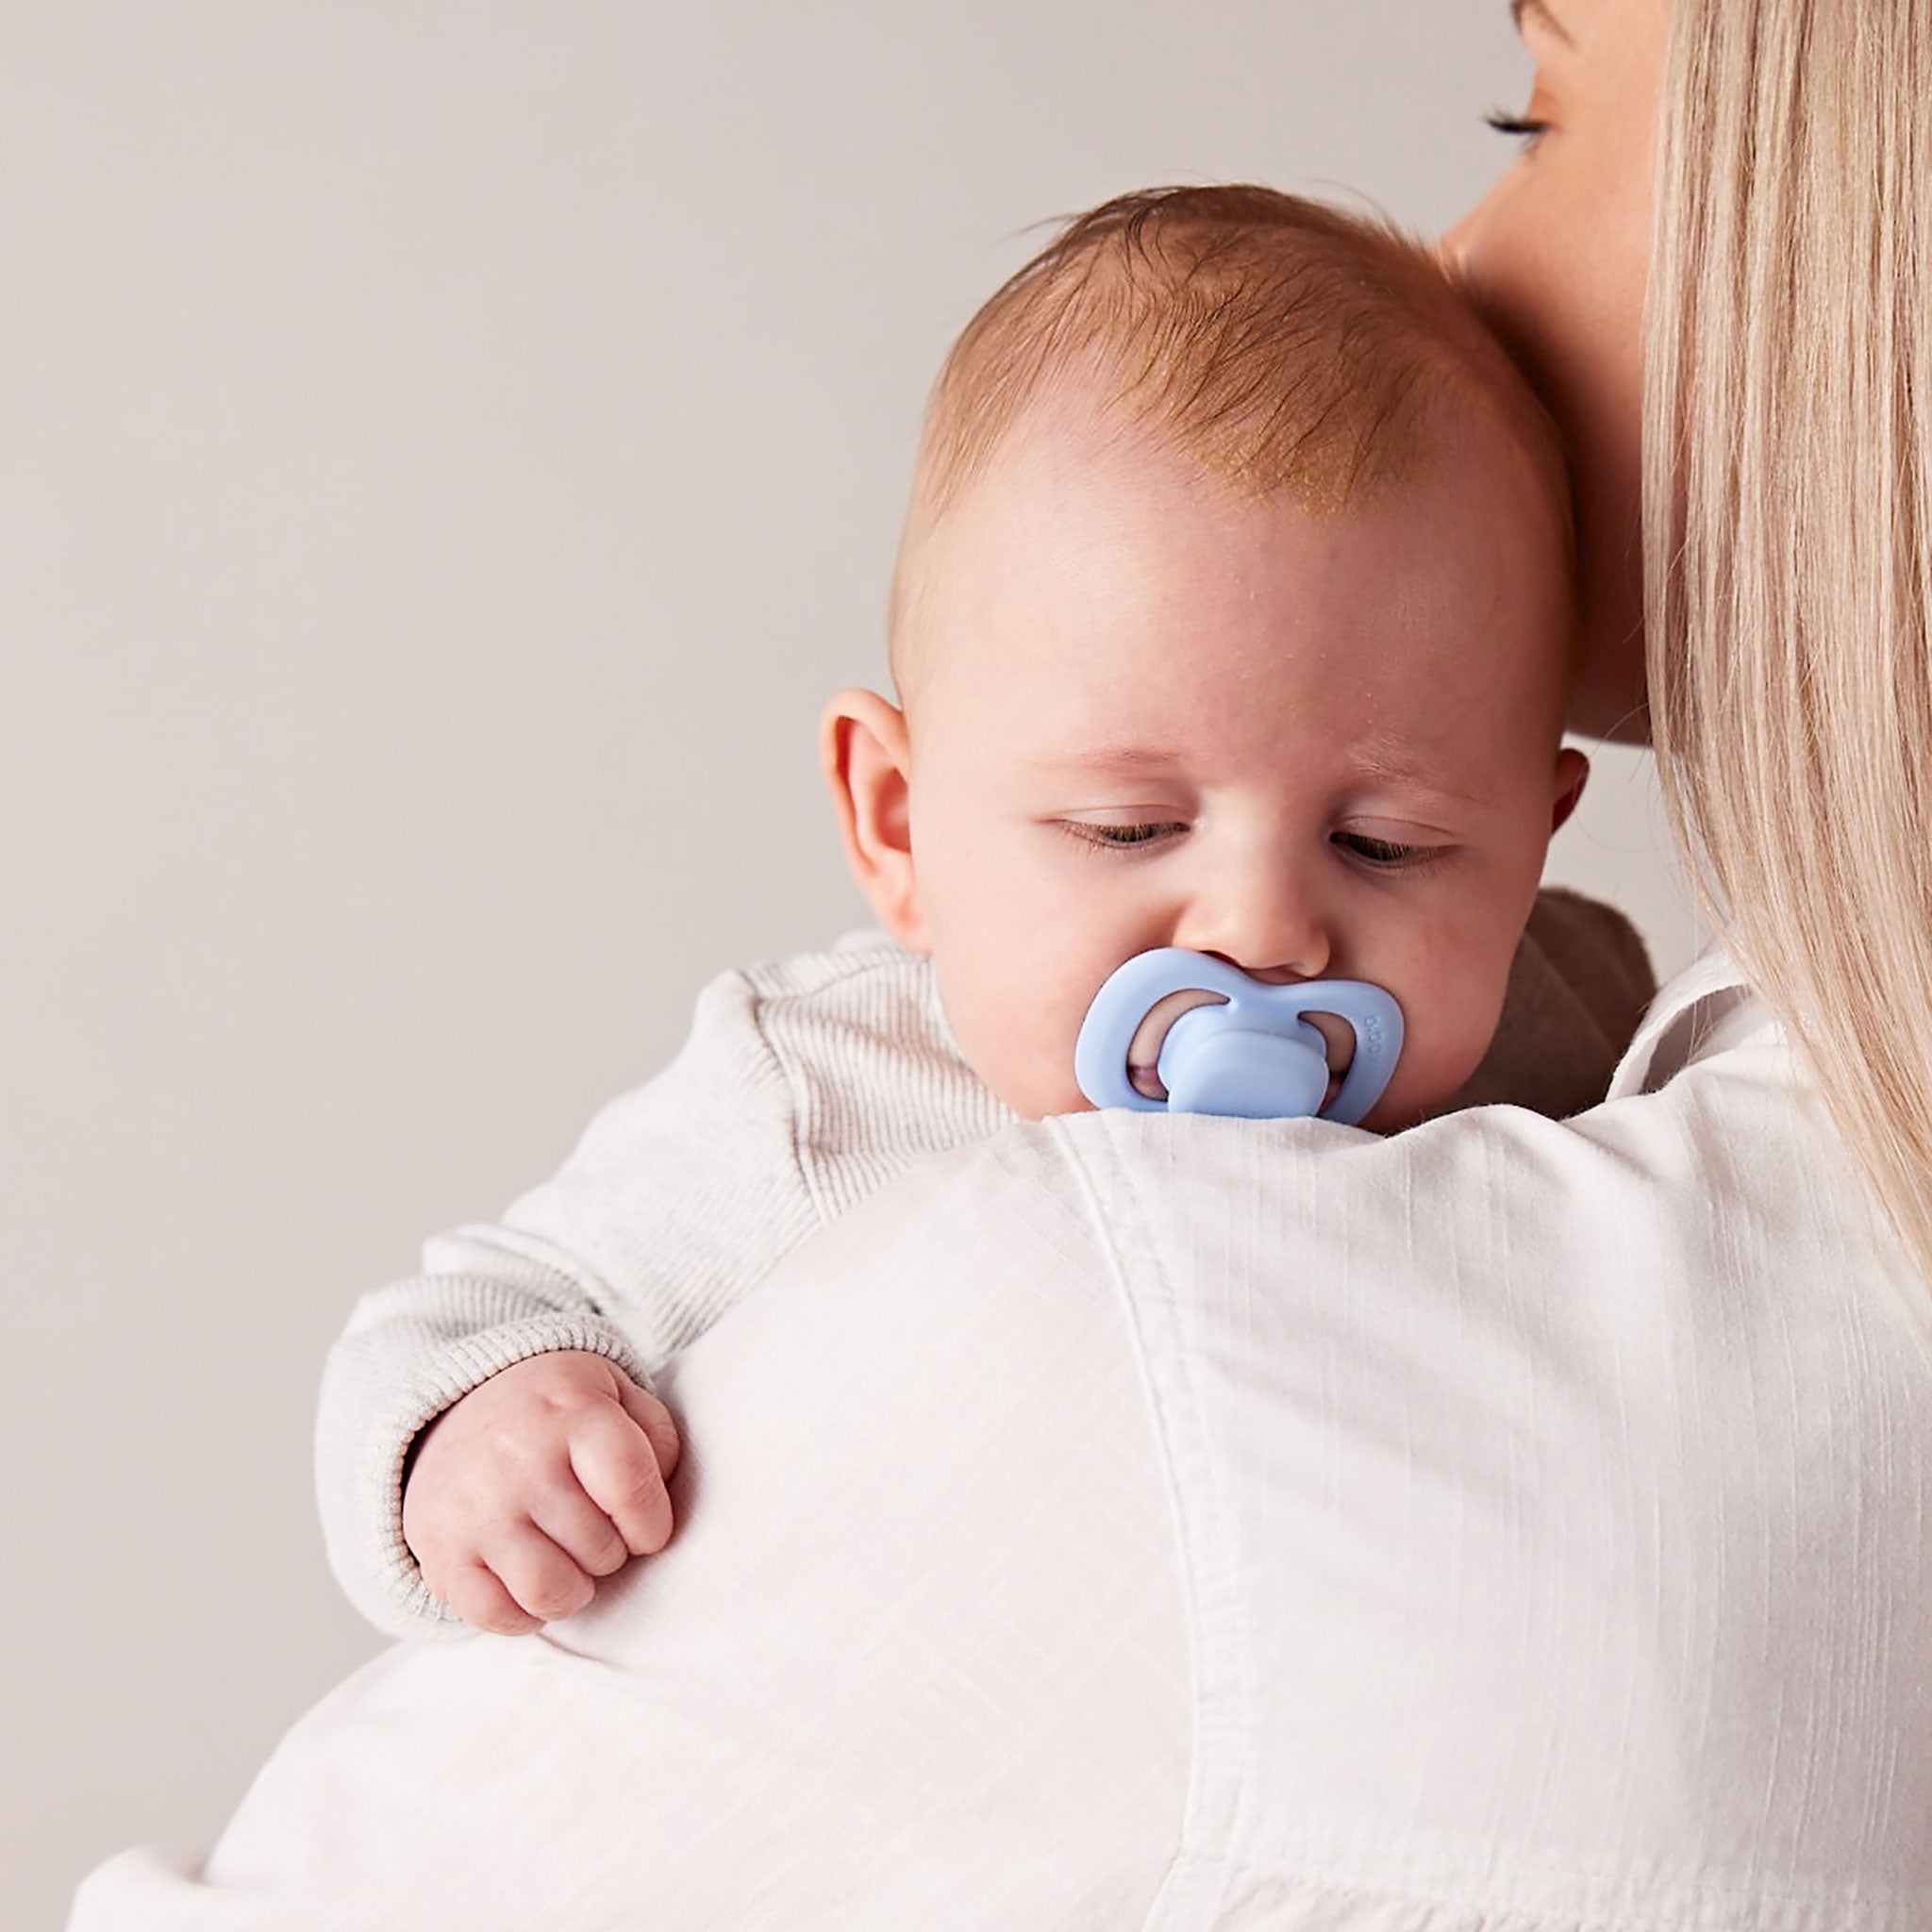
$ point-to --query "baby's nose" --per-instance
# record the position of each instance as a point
(1271, 932)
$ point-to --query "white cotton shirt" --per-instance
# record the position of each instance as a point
(1507, 1527)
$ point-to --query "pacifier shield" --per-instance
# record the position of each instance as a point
(1252, 1054)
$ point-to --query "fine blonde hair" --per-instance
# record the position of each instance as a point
(1283, 345)
(1788, 536)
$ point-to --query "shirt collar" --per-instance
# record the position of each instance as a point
(1708, 1008)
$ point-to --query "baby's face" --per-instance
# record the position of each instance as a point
(1150, 713)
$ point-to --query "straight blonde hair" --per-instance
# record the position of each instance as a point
(1788, 518)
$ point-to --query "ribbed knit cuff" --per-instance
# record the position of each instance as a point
(362, 1503)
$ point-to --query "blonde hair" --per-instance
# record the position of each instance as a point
(1283, 345)
(1788, 519)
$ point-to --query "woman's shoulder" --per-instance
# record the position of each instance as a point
(1708, 1009)
(1551, 1492)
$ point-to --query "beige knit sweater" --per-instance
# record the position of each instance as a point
(804, 1087)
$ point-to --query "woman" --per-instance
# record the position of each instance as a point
(1789, 366)
(1509, 1524)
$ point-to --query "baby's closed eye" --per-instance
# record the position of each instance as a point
(1388, 854)
(1118, 835)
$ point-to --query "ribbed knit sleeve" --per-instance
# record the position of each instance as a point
(803, 1087)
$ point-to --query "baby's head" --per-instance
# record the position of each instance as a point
(1233, 613)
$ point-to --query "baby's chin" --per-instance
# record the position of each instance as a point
(1407, 1104)
(1391, 1116)
(1037, 1107)
(1382, 1119)
(1032, 1098)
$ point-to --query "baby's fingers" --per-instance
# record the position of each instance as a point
(655, 1420)
(475, 1595)
(582, 1531)
(539, 1578)
(618, 1465)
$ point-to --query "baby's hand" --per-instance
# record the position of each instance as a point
(540, 1481)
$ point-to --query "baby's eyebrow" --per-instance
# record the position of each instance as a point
(1109, 758)
(1413, 779)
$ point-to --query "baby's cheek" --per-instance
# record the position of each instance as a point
(1448, 1030)
(1014, 1035)
(1035, 1068)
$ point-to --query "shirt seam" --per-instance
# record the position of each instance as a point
(1195, 1883)
(790, 1081)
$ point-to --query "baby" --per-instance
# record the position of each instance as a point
(1233, 613)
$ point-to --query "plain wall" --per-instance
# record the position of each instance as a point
(447, 453)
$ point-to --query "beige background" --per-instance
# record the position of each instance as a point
(447, 451)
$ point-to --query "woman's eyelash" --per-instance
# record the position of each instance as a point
(1517, 125)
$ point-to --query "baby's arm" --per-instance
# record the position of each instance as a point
(477, 1420)
(805, 1085)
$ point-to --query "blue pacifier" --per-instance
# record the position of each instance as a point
(1251, 1053)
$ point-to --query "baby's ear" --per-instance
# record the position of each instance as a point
(1573, 774)
(866, 755)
